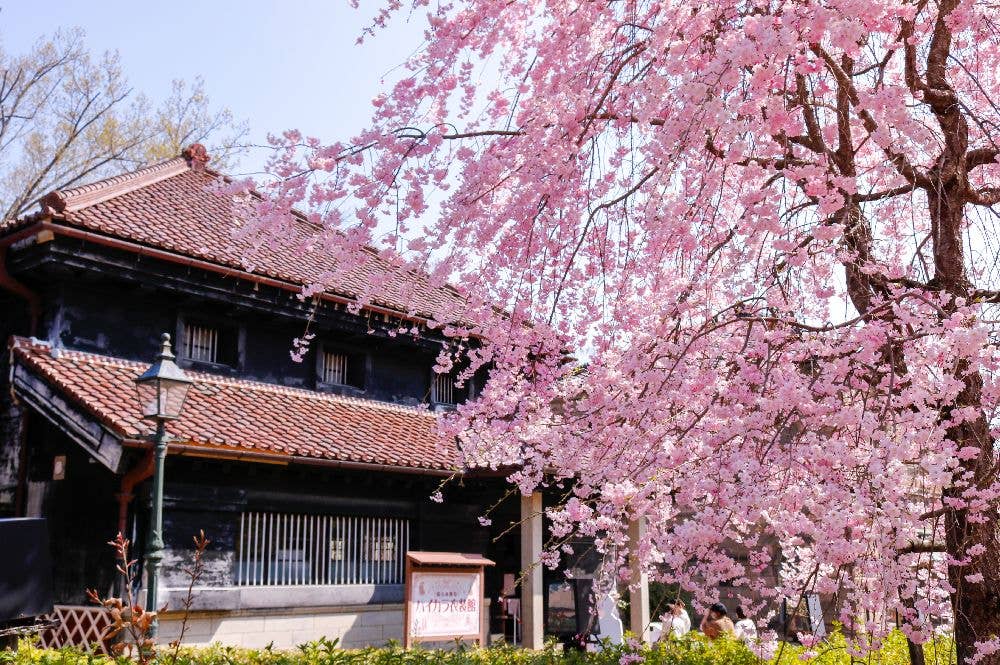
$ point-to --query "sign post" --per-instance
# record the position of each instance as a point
(444, 598)
(815, 615)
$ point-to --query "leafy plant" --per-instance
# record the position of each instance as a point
(130, 623)
(693, 649)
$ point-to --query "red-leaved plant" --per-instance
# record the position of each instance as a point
(130, 623)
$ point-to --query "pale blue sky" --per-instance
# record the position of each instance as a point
(292, 63)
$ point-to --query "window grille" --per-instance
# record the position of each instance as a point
(277, 549)
(443, 389)
(201, 343)
(333, 368)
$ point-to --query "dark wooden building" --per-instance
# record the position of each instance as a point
(311, 479)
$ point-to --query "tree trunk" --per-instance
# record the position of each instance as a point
(976, 605)
(916, 652)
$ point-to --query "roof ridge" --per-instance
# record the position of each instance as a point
(77, 198)
(26, 345)
(181, 218)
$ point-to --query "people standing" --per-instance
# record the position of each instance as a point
(745, 629)
(717, 623)
(680, 622)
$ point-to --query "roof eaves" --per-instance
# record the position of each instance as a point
(57, 398)
(61, 226)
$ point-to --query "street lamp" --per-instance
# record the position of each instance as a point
(162, 389)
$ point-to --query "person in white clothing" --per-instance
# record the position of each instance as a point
(744, 630)
(609, 622)
(680, 622)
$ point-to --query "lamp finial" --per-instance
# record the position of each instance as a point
(166, 353)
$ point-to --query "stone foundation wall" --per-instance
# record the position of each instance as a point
(355, 626)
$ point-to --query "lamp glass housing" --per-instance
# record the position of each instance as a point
(163, 387)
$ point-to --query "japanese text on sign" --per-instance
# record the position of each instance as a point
(444, 605)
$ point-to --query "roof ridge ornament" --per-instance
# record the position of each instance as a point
(196, 155)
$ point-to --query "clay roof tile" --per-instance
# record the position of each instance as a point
(246, 414)
(169, 206)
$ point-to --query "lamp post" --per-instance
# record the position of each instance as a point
(161, 389)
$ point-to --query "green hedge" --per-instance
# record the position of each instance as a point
(694, 650)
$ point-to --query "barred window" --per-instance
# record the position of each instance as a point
(201, 343)
(443, 389)
(292, 549)
(383, 548)
(209, 341)
(333, 368)
(337, 367)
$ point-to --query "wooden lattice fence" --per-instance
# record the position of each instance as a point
(79, 626)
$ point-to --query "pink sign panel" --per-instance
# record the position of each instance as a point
(444, 605)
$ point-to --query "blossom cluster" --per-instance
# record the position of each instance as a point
(703, 256)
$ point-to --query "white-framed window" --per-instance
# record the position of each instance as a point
(443, 389)
(333, 367)
(201, 343)
(279, 549)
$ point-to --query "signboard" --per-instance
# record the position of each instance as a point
(815, 615)
(445, 604)
(444, 597)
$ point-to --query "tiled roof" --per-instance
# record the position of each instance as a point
(238, 415)
(167, 206)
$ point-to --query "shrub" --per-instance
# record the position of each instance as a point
(893, 651)
(692, 650)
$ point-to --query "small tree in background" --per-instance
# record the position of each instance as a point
(68, 117)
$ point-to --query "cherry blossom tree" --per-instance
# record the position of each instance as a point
(746, 255)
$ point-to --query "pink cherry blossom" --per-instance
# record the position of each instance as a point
(731, 268)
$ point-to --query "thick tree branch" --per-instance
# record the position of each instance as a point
(815, 140)
(923, 548)
(886, 194)
(485, 132)
(981, 157)
(985, 196)
(986, 296)
(777, 163)
(897, 159)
